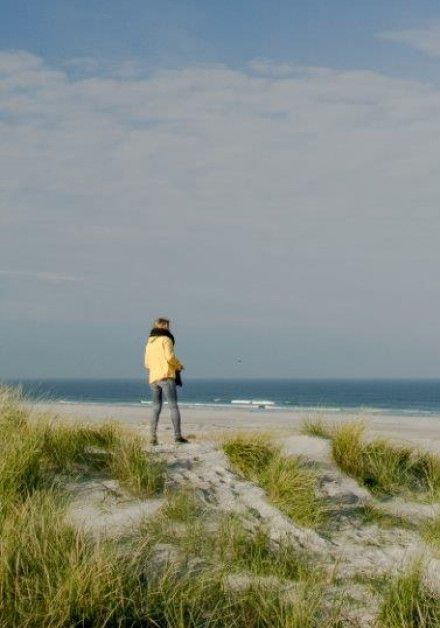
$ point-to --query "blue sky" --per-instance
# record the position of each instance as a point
(342, 34)
(264, 173)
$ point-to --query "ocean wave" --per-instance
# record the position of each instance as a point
(262, 405)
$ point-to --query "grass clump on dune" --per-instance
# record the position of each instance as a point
(431, 533)
(384, 467)
(288, 484)
(316, 427)
(36, 451)
(249, 454)
(206, 599)
(242, 549)
(379, 464)
(143, 474)
(50, 574)
(53, 575)
(408, 603)
(67, 447)
(182, 505)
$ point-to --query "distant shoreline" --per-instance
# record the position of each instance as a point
(370, 397)
(360, 410)
(423, 431)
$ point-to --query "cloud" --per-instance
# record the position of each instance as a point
(425, 39)
(41, 276)
(82, 64)
(266, 67)
(224, 195)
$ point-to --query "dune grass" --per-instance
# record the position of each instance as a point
(182, 505)
(228, 541)
(408, 603)
(205, 599)
(35, 452)
(383, 467)
(288, 484)
(52, 574)
(228, 544)
(144, 475)
(372, 514)
(315, 426)
(431, 533)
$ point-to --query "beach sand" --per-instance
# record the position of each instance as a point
(204, 422)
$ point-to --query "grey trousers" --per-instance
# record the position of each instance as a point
(159, 389)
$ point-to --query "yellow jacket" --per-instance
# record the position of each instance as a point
(160, 359)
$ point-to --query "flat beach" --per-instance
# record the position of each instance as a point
(203, 422)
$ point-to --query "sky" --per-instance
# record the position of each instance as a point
(264, 174)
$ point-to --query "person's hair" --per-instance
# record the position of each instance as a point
(161, 322)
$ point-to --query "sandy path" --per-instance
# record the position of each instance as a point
(204, 421)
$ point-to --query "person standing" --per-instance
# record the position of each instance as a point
(164, 368)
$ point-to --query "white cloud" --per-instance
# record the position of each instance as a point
(215, 192)
(424, 39)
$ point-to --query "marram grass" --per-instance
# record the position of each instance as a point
(315, 426)
(383, 467)
(228, 541)
(54, 575)
(408, 603)
(229, 547)
(431, 533)
(288, 484)
(36, 451)
(143, 474)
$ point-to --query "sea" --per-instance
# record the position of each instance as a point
(415, 396)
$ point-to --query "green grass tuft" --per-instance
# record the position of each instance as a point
(35, 451)
(288, 484)
(316, 427)
(143, 473)
(182, 505)
(249, 455)
(50, 574)
(384, 467)
(407, 603)
(431, 532)
(241, 548)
